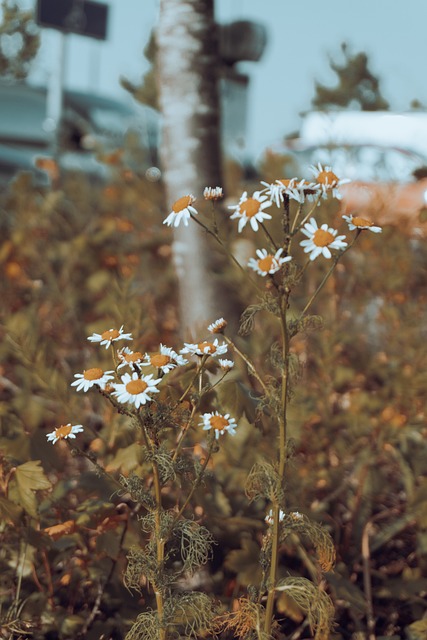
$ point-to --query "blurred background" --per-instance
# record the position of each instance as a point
(87, 178)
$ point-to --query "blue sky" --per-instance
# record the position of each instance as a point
(301, 37)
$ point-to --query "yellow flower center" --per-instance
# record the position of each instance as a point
(134, 387)
(322, 238)
(328, 178)
(265, 264)
(207, 347)
(133, 357)
(111, 334)
(361, 222)
(93, 374)
(219, 422)
(181, 204)
(250, 207)
(159, 360)
(63, 431)
(287, 182)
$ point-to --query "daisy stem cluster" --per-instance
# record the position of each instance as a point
(176, 545)
(279, 264)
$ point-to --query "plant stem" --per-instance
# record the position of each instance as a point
(160, 541)
(282, 464)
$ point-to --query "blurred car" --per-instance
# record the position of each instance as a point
(384, 154)
(90, 123)
(387, 184)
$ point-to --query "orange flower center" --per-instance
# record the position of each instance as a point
(250, 207)
(159, 360)
(181, 204)
(63, 431)
(361, 222)
(207, 347)
(322, 238)
(134, 387)
(265, 264)
(328, 178)
(287, 182)
(133, 357)
(111, 334)
(93, 374)
(219, 422)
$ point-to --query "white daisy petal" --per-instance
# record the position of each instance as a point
(90, 377)
(251, 210)
(359, 223)
(110, 336)
(135, 389)
(321, 241)
(181, 211)
(64, 432)
(219, 423)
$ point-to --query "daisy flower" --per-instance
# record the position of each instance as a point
(213, 193)
(267, 263)
(355, 222)
(327, 180)
(226, 365)
(181, 211)
(112, 335)
(251, 210)
(165, 359)
(129, 358)
(320, 241)
(294, 188)
(63, 432)
(135, 389)
(218, 326)
(269, 517)
(84, 381)
(220, 423)
(205, 348)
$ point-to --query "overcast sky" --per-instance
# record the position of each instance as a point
(301, 36)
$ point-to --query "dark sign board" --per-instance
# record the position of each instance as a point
(84, 17)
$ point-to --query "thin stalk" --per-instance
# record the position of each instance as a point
(281, 470)
(198, 479)
(337, 258)
(160, 542)
(227, 252)
(248, 363)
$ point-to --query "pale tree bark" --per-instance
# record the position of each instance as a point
(187, 66)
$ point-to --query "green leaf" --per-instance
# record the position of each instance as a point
(29, 477)
(10, 511)
(245, 562)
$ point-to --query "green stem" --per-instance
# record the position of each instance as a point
(227, 252)
(250, 366)
(281, 468)
(198, 479)
(337, 258)
(160, 541)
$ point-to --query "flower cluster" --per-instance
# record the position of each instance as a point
(135, 389)
(251, 211)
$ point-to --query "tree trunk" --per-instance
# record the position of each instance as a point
(187, 65)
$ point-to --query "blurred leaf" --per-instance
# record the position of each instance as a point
(417, 630)
(59, 530)
(389, 531)
(109, 544)
(10, 511)
(245, 561)
(347, 591)
(29, 477)
(236, 399)
(288, 607)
